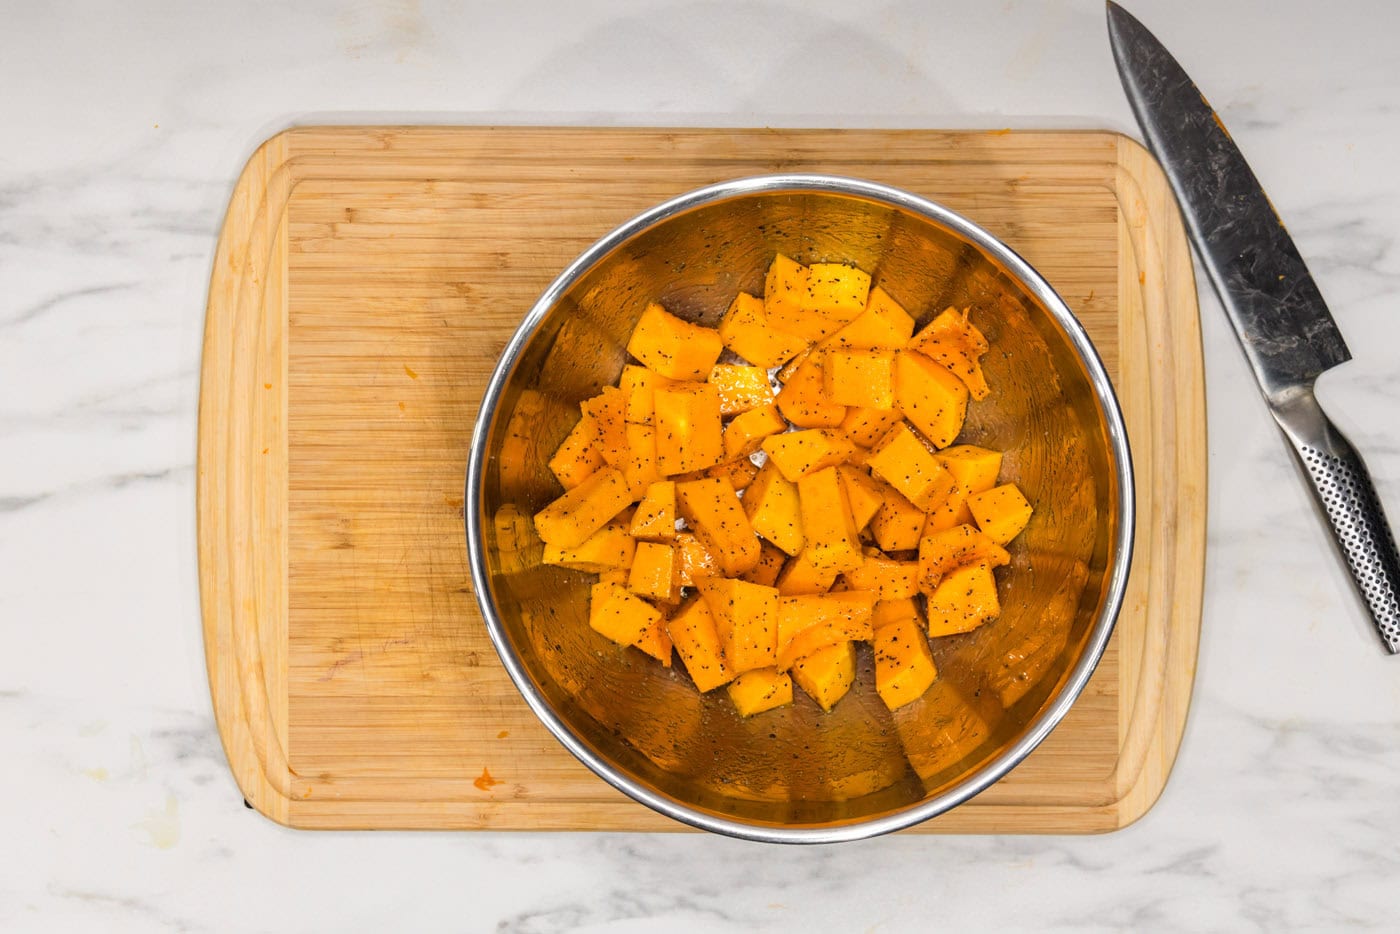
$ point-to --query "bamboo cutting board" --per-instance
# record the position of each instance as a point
(365, 282)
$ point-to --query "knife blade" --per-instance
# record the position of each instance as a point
(1284, 327)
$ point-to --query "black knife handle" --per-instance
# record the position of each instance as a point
(1343, 486)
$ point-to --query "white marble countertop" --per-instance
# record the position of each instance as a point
(126, 127)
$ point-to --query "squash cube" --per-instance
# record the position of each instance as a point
(904, 666)
(808, 623)
(827, 674)
(788, 305)
(827, 525)
(655, 518)
(745, 329)
(931, 398)
(801, 576)
(572, 518)
(864, 492)
(638, 386)
(951, 512)
(773, 509)
(692, 630)
(974, 468)
(656, 642)
(951, 341)
(891, 611)
(620, 616)
(965, 599)
(740, 387)
(608, 548)
(887, 578)
(746, 618)
(801, 453)
(674, 348)
(759, 690)
(1001, 512)
(577, 455)
(639, 465)
(745, 432)
(902, 461)
(883, 325)
(653, 571)
(803, 398)
(866, 426)
(713, 510)
(859, 377)
(837, 291)
(942, 552)
(696, 562)
(770, 564)
(689, 434)
(607, 411)
(899, 523)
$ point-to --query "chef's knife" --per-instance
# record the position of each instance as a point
(1278, 313)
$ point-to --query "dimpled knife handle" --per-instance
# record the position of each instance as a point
(1343, 486)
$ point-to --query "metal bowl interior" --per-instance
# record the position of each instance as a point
(796, 773)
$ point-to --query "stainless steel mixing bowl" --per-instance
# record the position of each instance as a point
(796, 774)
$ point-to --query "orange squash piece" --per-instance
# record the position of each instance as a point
(672, 347)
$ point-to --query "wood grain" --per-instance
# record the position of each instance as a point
(365, 282)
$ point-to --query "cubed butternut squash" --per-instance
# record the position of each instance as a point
(1001, 512)
(807, 623)
(837, 291)
(655, 517)
(672, 347)
(788, 304)
(975, 468)
(609, 547)
(696, 561)
(943, 552)
(899, 523)
(863, 492)
(883, 325)
(572, 518)
(866, 426)
(931, 399)
(639, 466)
(620, 616)
(689, 432)
(889, 611)
(711, 508)
(803, 400)
(887, 578)
(827, 674)
(827, 525)
(692, 631)
(862, 378)
(745, 329)
(740, 388)
(953, 342)
(746, 431)
(773, 509)
(801, 453)
(902, 461)
(607, 412)
(639, 385)
(904, 666)
(966, 598)
(801, 576)
(952, 511)
(656, 641)
(770, 564)
(578, 455)
(746, 618)
(740, 472)
(653, 570)
(760, 689)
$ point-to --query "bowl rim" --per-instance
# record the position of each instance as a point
(1117, 574)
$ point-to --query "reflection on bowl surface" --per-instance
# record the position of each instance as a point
(796, 773)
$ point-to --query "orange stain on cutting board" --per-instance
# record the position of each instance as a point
(484, 781)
